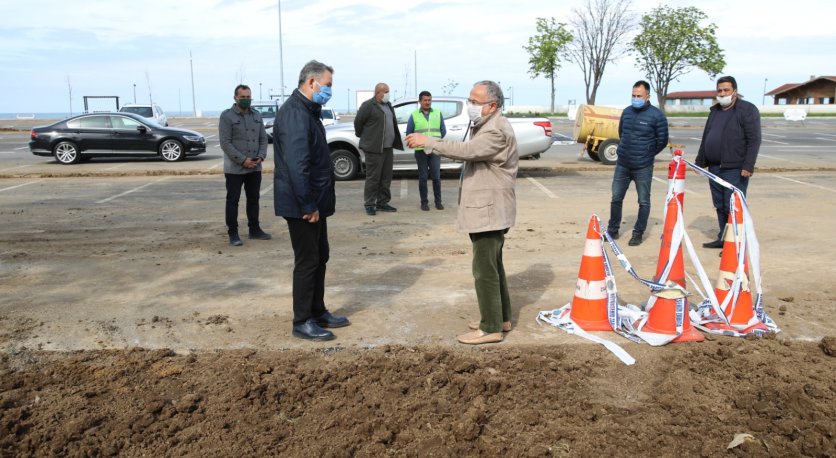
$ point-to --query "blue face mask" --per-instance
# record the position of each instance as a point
(637, 102)
(323, 96)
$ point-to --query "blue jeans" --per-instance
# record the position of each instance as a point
(428, 165)
(721, 197)
(620, 182)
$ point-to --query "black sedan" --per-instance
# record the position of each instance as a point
(113, 134)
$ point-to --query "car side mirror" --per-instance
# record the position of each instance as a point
(142, 129)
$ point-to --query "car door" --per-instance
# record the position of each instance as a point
(91, 133)
(127, 138)
(454, 122)
(403, 111)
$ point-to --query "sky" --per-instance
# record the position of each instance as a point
(55, 52)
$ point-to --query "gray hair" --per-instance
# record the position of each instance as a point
(494, 91)
(313, 69)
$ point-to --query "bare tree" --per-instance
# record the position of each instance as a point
(600, 30)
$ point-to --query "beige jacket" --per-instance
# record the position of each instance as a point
(487, 201)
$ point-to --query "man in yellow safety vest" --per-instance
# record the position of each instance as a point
(430, 123)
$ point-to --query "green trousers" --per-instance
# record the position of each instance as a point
(489, 279)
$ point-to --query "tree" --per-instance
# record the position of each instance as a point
(546, 49)
(600, 30)
(672, 42)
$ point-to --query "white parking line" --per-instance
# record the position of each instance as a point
(404, 189)
(695, 138)
(666, 183)
(774, 135)
(822, 133)
(826, 139)
(266, 190)
(774, 141)
(130, 191)
(22, 147)
(19, 185)
(18, 167)
(539, 185)
(115, 167)
(775, 158)
(210, 136)
(805, 183)
(214, 166)
(7, 152)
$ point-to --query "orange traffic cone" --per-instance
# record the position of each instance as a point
(589, 306)
(741, 314)
(662, 317)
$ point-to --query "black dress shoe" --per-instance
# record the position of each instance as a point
(438, 206)
(613, 235)
(309, 330)
(635, 240)
(425, 207)
(713, 244)
(327, 320)
(260, 235)
(234, 240)
(386, 208)
(370, 211)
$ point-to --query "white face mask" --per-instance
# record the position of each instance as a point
(474, 112)
(724, 100)
(385, 98)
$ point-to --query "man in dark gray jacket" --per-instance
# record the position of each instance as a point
(244, 143)
(377, 128)
(305, 196)
(729, 148)
(643, 133)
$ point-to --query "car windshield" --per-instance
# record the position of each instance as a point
(265, 110)
(142, 111)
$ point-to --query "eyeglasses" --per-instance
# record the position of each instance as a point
(474, 102)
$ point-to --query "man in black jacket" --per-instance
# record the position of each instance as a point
(730, 143)
(377, 127)
(643, 133)
(304, 195)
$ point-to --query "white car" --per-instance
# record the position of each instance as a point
(267, 109)
(150, 111)
(329, 117)
(534, 136)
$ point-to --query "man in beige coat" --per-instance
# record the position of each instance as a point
(487, 203)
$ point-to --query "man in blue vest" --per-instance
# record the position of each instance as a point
(643, 133)
(430, 123)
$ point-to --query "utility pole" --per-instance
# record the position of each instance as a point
(70, 89)
(191, 67)
(763, 101)
(259, 92)
(416, 73)
(281, 63)
(348, 100)
(134, 92)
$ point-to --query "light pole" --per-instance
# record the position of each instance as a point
(763, 101)
(191, 69)
(281, 63)
(259, 92)
(348, 100)
(134, 92)
(511, 88)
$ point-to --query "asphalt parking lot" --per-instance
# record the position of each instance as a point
(114, 253)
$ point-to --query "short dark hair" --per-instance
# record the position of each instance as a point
(494, 92)
(424, 94)
(643, 84)
(727, 79)
(242, 87)
(313, 69)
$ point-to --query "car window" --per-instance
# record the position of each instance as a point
(448, 109)
(403, 112)
(265, 110)
(327, 114)
(121, 122)
(142, 111)
(88, 122)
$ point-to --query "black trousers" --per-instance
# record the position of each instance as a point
(252, 187)
(311, 252)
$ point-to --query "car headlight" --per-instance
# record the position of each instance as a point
(193, 138)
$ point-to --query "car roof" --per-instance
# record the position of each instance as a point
(108, 113)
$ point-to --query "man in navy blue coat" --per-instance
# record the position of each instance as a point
(305, 196)
(643, 133)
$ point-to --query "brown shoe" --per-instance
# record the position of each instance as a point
(506, 326)
(479, 337)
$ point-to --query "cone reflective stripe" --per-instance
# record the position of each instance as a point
(739, 308)
(676, 177)
(589, 306)
(669, 314)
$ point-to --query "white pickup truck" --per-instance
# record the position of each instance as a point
(534, 136)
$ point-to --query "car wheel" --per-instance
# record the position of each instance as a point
(346, 164)
(66, 153)
(171, 150)
(592, 154)
(608, 150)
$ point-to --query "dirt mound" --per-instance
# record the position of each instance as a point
(682, 399)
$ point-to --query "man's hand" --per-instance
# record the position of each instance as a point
(251, 162)
(311, 217)
(416, 140)
(745, 173)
